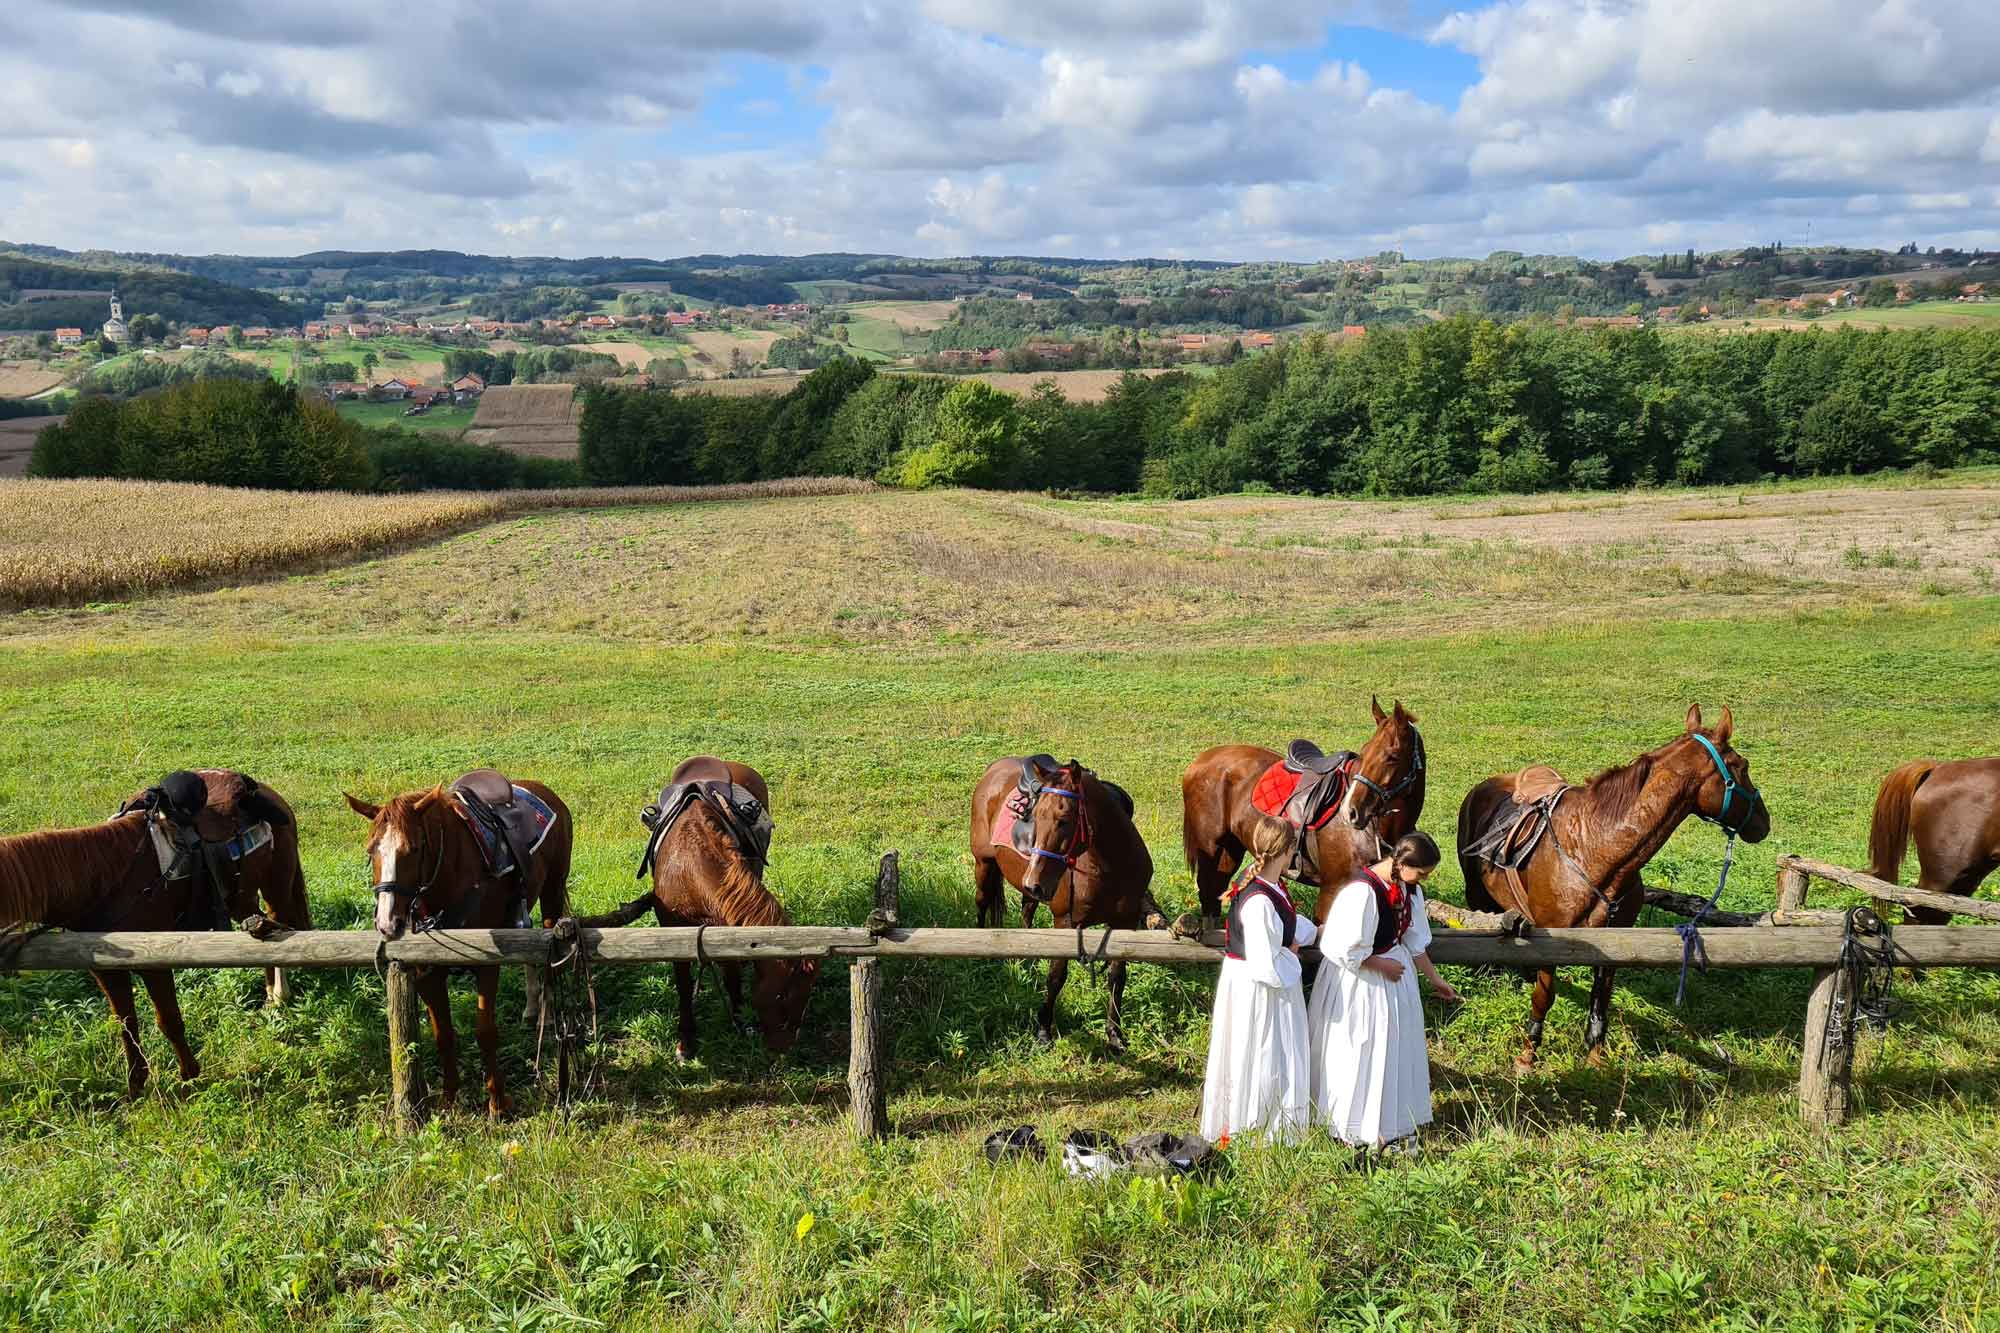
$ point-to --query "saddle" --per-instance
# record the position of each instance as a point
(508, 822)
(1305, 789)
(189, 834)
(1016, 825)
(1515, 827)
(702, 779)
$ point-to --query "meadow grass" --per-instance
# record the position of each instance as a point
(1674, 1188)
(450, 420)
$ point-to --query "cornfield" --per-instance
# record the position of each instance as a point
(69, 543)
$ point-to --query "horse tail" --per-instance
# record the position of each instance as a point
(1889, 834)
(1469, 812)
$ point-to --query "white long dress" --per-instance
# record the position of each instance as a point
(1259, 1066)
(1371, 1074)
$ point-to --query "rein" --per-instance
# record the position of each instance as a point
(1078, 847)
(1692, 949)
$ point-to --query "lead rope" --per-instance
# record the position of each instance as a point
(569, 994)
(1692, 948)
(1871, 970)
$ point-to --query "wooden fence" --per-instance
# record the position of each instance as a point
(1814, 942)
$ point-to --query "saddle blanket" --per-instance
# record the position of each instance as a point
(533, 830)
(1515, 827)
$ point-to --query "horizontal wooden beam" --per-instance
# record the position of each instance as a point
(1956, 904)
(1790, 946)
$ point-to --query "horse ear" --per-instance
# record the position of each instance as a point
(362, 808)
(1403, 714)
(1694, 717)
(1725, 727)
(1375, 705)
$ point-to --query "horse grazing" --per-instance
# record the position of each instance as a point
(1953, 809)
(195, 853)
(1063, 837)
(711, 833)
(1560, 855)
(477, 855)
(1384, 795)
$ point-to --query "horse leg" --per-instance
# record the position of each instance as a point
(277, 988)
(989, 892)
(1212, 869)
(1028, 906)
(117, 988)
(1538, 1009)
(1598, 1025)
(167, 1013)
(1114, 1031)
(1045, 1022)
(684, 986)
(488, 1028)
(437, 999)
(732, 979)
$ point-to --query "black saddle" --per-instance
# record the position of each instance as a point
(515, 825)
(1038, 770)
(1302, 756)
(743, 817)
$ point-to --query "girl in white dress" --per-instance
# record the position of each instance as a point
(1258, 1063)
(1371, 1079)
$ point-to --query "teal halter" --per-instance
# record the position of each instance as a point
(1729, 785)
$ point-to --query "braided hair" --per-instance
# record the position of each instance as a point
(1416, 850)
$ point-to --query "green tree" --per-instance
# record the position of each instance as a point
(368, 363)
(976, 440)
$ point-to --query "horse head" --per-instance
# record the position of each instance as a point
(1726, 795)
(1391, 763)
(1061, 830)
(413, 839)
(780, 996)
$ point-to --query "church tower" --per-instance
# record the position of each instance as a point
(115, 328)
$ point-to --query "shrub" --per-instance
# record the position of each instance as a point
(975, 441)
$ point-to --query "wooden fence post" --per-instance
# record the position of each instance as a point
(1792, 883)
(406, 1070)
(1826, 1062)
(867, 1087)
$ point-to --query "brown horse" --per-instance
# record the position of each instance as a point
(701, 877)
(1085, 859)
(430, 874)
(1954, 811)
(108, 877)
(1385, 795)
(1585, 869)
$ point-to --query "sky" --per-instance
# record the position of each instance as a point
(1211, 129)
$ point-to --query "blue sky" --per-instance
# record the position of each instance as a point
(1223, 129)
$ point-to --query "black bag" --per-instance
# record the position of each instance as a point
(1167, 1154)
(1006, 1145)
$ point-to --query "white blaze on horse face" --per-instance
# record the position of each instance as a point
(1347, 802)
(388, 854)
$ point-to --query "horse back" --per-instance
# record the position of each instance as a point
(1216, 813)
(1473, 813)
(1955, 813)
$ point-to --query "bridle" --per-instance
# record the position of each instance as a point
(1079, 844)
(1410, 779)
(1751, 796)
(398, 889)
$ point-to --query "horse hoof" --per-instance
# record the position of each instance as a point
(1596, 1058)
(499, 1108)
(1524, 1064)
(1044, 1037)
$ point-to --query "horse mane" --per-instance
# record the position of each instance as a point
(740, 897)
(1616, 790)
(45, 875)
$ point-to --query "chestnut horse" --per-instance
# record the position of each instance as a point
(1385, 795)
(107, 877)
(430, 875)
(1954, 811)
(1585, 870)
(702, 878)
(1086, 861)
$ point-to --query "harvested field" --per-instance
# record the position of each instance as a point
(535, 420)
(920, 315)
(17, 441)
(932, 569)
(629, 354)
(26, 379)
(63, 543)
(716, 347)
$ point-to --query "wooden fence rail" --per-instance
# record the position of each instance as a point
(1824, 1076)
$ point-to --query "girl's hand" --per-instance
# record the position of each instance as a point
(1383, 965)
(1445, 991)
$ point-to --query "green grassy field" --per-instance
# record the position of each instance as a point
(449, 420)
(1674, 1188)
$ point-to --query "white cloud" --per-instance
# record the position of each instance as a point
(1119, 127)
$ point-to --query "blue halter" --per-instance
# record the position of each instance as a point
(1692, 950)
(1069, 858)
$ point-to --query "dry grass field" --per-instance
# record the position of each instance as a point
(17, 441)
(66, 543)
(629, 354)
(933, 569)
(920, 315)
(716, 347)
(25, 379)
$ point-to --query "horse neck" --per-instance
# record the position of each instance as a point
(1632, 835)
(735, 891)
(460, 866)
(48, 877)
